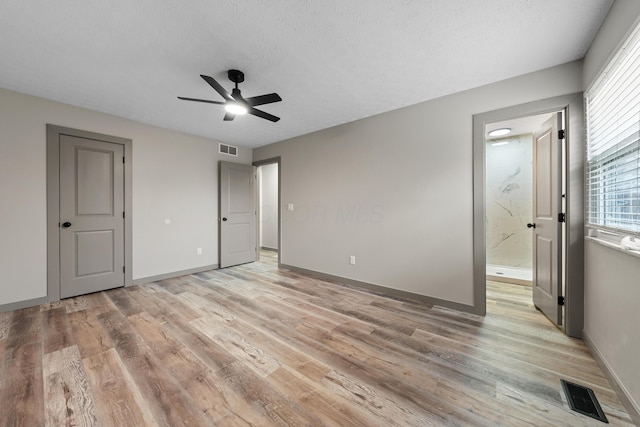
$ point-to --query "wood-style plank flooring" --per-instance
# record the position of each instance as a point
(255, 345)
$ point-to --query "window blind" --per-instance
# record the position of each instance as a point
(613, 143)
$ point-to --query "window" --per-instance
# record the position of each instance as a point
(613, 143)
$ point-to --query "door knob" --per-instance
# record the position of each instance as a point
(66, 224)
(224, 219)
(531, 225)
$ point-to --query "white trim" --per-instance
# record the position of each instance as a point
(609, 243)
(605, 66)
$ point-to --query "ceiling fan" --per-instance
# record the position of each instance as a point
(234, 103)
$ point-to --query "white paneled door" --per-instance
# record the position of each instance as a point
(91, 215)
(238, 232)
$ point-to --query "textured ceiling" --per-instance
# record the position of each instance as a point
(332, 61)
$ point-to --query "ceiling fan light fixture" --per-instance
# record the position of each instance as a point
(236, 108)
(234, 103)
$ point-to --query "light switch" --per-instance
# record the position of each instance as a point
(290, 207)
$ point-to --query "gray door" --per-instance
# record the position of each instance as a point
(91, 216)
(547, 238)
(237, 214)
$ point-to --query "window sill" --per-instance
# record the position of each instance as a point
(614, 246)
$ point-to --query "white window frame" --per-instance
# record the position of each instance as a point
(612, 181)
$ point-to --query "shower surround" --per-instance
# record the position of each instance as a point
(509, 182)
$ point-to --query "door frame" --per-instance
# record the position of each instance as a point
(257, 164)
(574, 226)
(223, 192)
(53, 203)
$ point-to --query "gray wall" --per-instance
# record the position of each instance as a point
(268, 175)
(612, 294)
(612, 298)
(395, 190)
(175, 177)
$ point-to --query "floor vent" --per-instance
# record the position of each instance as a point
(582, 399)
(229, 150)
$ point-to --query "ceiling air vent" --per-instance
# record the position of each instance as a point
(229, 150)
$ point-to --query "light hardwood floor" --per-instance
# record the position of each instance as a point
(255, 345)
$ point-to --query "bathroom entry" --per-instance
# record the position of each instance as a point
(509, 185)
(523, 199)
(268, 209)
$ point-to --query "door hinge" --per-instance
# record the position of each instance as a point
(562, 217)
(122, 214)
(122, 159)
(561, 134)
(560, 300)
(123, 268)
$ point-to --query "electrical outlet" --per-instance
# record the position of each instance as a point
(352, 260)
(199, 251)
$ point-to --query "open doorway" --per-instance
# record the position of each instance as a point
(268, 174)
(524, 198)
(572, 163)
(509, 198)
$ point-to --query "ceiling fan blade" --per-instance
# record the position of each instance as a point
(263, 115)
(263, 99)
(228, 116)
(200, 100)
(214, 84)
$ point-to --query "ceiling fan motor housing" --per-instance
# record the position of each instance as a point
(235, 93)
(236, 76)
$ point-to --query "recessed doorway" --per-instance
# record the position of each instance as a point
(572, 246)
(89, 211)
(268, 203)
(524, 197)
(509, 198)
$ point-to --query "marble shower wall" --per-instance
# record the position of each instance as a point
(509, 180)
